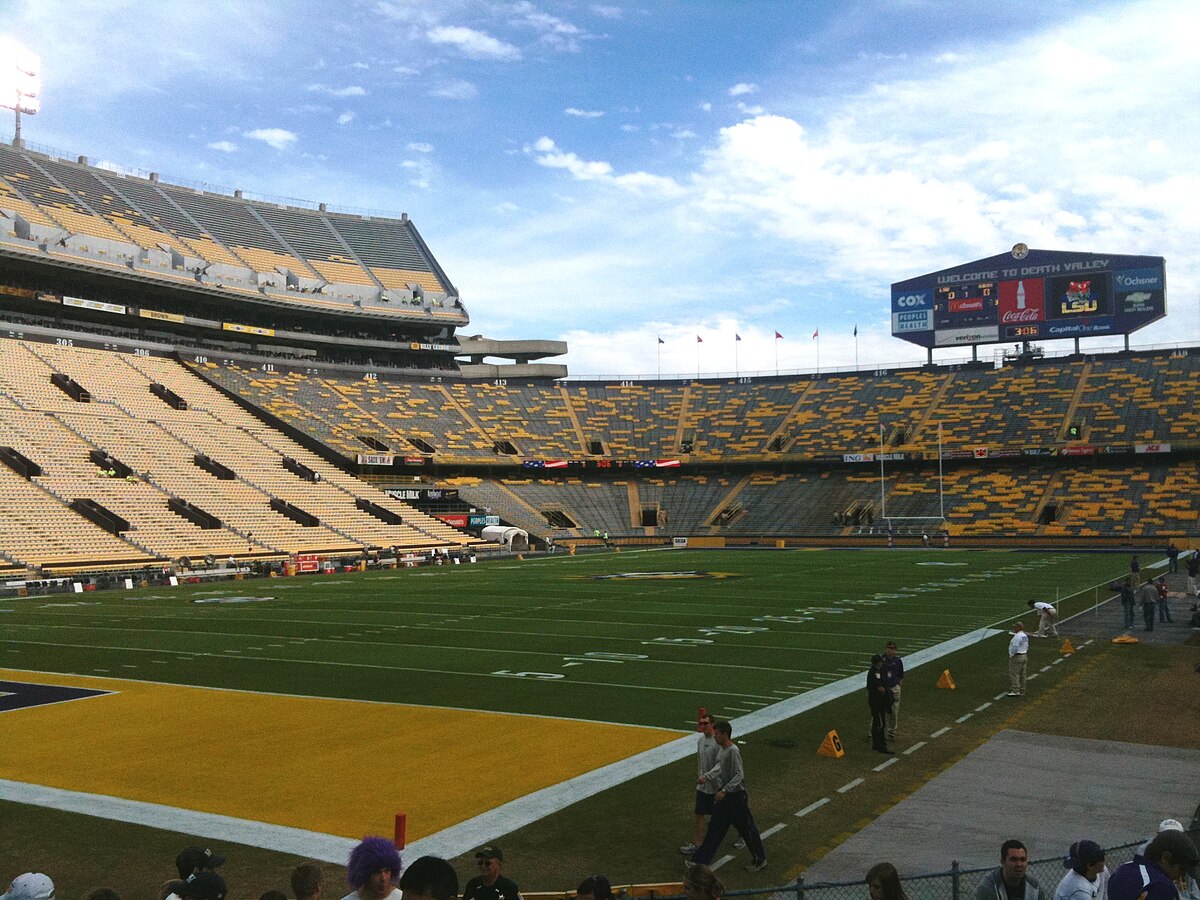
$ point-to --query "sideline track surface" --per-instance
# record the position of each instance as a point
(277, 786)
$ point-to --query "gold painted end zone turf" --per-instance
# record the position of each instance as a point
(341, 767)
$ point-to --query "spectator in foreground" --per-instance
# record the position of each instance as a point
(1188, 887)
(373, 869)
(306, 881)
(1085, 860)
(1170, 859)
(699, 883)
(1012, 879)
(30, 886)
(203, 885)
(883, 882)
(594, 887)
(490, 859)
(429, 878)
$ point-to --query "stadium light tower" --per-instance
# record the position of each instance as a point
(20, 83)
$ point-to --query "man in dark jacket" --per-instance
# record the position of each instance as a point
(1169, 859)
(1011, 881)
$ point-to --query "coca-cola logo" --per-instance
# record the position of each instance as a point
(1015, 316)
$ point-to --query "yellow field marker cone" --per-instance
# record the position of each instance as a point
(945, 681)
(831, 746)
(1067, 648)
(1125, 639)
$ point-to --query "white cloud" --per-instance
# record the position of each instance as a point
(606, 12)
(750, 109)
(223, 146)
(683, 134)
(707, 107)
(554, 32)
(742, 88)
(546, 153)
(279, 138)
(473, 44)
(346, 118)
(454, 89)
(420, 147)
(353, 90)
(583, 113)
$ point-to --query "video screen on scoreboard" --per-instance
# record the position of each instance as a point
(1079, 296)
(965, 305)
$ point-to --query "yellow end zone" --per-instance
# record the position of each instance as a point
(341, 767)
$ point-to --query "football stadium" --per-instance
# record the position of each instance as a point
(288, 559)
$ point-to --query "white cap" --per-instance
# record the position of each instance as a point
(30, 886)
(1170, 825)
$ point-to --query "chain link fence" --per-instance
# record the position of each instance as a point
(954, 884)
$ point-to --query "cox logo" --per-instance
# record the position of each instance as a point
(911, 301)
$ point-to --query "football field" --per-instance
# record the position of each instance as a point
(515, 674)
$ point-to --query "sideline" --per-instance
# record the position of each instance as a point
(463, 837)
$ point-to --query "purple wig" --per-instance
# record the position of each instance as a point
(371, 855)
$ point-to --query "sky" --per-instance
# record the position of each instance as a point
(650, 181)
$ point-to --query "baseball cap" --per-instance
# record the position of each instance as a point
(30, 886)
(191, 858)
(490, 852)
(204, 885)
(1170, 825)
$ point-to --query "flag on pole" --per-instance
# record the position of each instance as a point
(699, 340)
(856, 331)
(661, 341)
(778, 336)
(737, 337)
(816, 334)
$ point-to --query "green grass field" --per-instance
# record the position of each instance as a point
(628, 638)
(780, 623)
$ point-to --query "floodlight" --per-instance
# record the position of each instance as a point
(20, 82)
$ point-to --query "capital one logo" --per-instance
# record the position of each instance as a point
(1022, 301)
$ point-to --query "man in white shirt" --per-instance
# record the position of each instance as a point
(1018, 658)
(706, 757)
(1047, 618)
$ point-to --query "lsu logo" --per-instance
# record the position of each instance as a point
(1079, 299)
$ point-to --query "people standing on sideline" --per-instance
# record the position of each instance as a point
(1164, 608)
(879, 699)
(1128, 597)
(1172, 557)
(1155, 874)
(1012, 879)
(372, 870)
(1148, 595)
(893, 680)
(1018, 660)
(1085, 860)
(1134, 566)
(707, 749)
(489, 860)
(1047, 618)
(883, 883)
(1193, 570)
(730, 804)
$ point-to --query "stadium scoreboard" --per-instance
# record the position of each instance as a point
(1026, 295)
